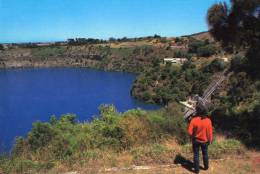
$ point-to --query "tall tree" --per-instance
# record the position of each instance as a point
(238, 25)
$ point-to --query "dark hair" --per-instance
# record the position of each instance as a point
(201, 111)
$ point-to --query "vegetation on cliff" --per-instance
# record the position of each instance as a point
(125, 54)
(166, 83)
(236, 104)
(237, 27)
(112, 139)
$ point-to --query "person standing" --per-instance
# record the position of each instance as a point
(201, 131)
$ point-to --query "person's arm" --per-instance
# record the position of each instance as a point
(190, 128)
(210, 132)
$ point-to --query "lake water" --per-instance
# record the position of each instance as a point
(29, 95)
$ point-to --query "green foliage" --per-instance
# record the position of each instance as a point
(253, 56)
(238, 25)
(20, 165)
(217, 65)
(195, 45)
(1, 47)
(46, 52)
(239, 111)
(202, 48)
(206, 51)
(188, 65)
(83, 41)
(228, 146)
(41, 135)
(182, 54)
(171, 83)
(64, 139)
(241, 88)
(238, 63)
(156, 154)
(220, 148)
(53, 120)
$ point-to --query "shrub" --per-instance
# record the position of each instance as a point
(156, 153)
(206, 51)
(215, 66)
(195, 45)
(137, 131)
(238, 63)
(20, 165)
(224, 147)
(146, 96)
(181, 54)
(41, 135)
(220, 148)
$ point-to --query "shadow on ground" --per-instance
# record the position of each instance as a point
(185, 163)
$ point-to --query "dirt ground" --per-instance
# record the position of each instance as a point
(246, 164)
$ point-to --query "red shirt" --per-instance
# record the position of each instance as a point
(201, 129)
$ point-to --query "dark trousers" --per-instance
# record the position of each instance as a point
(196, 149)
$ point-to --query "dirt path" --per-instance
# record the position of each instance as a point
(247, 164)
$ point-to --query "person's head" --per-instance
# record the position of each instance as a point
(201, 111)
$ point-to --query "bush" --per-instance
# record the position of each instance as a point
(216, 65)
(156, 154)
(137, 131)
(238, 63)
(220, 148)
(175, 125)
(195, 45)
(146, 96)
(41, 135)
(20, 165)
(224, 147)
(206, 51)
(181, 54)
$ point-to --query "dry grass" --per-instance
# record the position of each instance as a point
(159, 159)
(130, 44)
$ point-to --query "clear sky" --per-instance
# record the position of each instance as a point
(54, 20)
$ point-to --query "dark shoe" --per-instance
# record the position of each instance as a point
(206, 168)
(197, 172)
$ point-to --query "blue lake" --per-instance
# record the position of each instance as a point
(29, 95)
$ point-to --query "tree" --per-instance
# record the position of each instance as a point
(111, 39)
(215, 66)
(156, 36)
(195, 45)
(1, 47)
(206, 51)
(239, 26)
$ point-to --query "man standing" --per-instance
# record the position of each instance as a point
(200, 129)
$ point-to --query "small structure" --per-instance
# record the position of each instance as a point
(42, 44)
(175, 60)
(225, 59)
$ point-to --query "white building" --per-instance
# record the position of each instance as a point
(225, 59)
(175, 60)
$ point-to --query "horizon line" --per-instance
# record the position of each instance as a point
(105, 39)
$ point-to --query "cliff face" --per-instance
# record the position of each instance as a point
(131, 59)
(24, 62)
(131, 56)
(48, 57)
